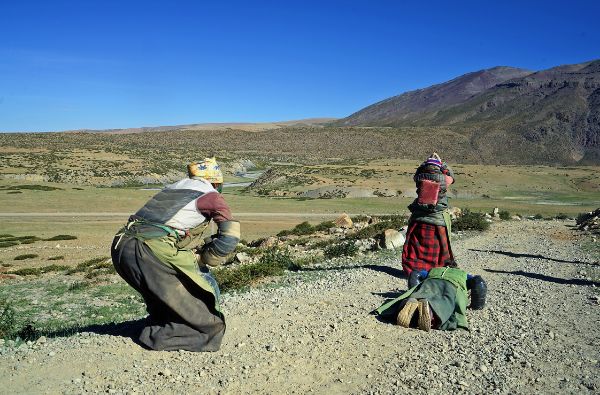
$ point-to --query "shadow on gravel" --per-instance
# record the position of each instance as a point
(130, 329)
(392, 271)
(538, 256)
(543, 277)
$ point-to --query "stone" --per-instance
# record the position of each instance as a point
(515, 218)
(496, 212)
(392, 239)
(242, 257)
(344, 222)
(455, 212)
(166, 372)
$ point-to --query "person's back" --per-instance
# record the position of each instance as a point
(428, 238)
(153, 254)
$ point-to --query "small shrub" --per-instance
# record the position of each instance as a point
(325, 243)
(33, 188)
(100, 269)
(561, 216)
(54, 268)
(36, 271)
(7, 319)
(273, 263)
(360, 218)
(7, 265)
(303, 228)
(374, 230)
(347, 248)
(7, 240)
(538, 216)
(504, 215)
(56, 258)
(323, 226)
(470, 221)
(27, 271)
(13, 192)
(61, 237)
(25, 256)
(5, 244)
(94, 267)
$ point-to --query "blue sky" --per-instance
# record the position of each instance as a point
(117, 64)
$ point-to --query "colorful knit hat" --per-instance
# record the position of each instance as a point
(207, 169)
(434, 159)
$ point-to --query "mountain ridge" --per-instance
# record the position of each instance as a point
(547, 116)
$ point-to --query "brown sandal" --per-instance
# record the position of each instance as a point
(424, 315)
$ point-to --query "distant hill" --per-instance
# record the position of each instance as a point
(246, 126)
(549, 116)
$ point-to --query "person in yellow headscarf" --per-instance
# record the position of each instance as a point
(153, 253)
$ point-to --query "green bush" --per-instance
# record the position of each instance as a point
(33, 188)
(27, 271)
(36, 271)
(346, 248)
(470, 221)
(273, 263)
(5, 244)
(374, 230)
(323, 226)
(7, 319)
(561, 216)
(94, 267)
(25, 256)
(504, 215)
(301, 229)
(61, 237)
(538, 216)
(7, 240)
(56, 258)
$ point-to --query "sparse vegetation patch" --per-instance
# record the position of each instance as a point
(470, 220)
(273, 263)
(61, 237)
(345, 248)
(25, 256)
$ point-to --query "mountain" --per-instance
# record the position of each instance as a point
(549, 116)
(414, 105)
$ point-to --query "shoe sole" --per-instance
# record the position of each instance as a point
(424, 315)
(406, 314)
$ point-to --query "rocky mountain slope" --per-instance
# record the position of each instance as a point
(415, 105)
(550, 116)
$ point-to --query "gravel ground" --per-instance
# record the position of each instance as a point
(313, 333)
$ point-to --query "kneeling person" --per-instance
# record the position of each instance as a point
(437, 299)
(152, 253)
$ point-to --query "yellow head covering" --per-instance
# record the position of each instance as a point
(208, 169)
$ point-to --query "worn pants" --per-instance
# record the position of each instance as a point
(181, 314)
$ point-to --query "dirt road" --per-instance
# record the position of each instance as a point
(313, 333)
